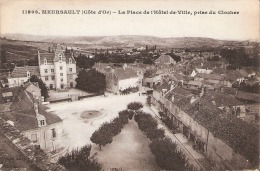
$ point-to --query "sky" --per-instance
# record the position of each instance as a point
(242, 26)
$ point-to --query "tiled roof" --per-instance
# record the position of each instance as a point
(104, 68)
(243, 72)
(220, 99)
(181, 96)
(150, 73)
(234, 75)
(209, 76)
(50, 57)
(176, 76)
(219, 71)
(164, 59)
(229, 90)
(239, 135)
(125, 73)
(195, 83)
(165, 86)
(211, 65)
(22, 71)
(24, 117)
(248, 70)
(248, 96)
(30, 83)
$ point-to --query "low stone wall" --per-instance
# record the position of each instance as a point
(36, 159)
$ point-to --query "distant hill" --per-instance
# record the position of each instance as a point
(125, 41)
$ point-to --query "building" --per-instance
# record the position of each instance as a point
(152, 77)
(57, 70)
(30, 117)
(165, 59)
(210, 129)
(120, 79)
(9, 94)
(20, 75)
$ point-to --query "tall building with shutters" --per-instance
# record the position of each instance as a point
(57, 70)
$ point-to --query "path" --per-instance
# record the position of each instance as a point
(129, 150)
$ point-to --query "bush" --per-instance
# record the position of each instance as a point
(134, 106)
(80, 160)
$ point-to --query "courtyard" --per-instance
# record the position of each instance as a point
(82, 118)
(128, 151)
(77, 128)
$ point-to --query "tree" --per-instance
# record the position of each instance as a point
(168, 156)
(3, 56)
(148, 100)
(91, 81)
(126, 114)
(134, 106)
(101, 138)
(42, 86)
(80, 160)
(153, 134)
(148, 61)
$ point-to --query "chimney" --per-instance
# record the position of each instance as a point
(124, 66)
(35, 106)
(202, 91)
(172, 98)
(192, 100)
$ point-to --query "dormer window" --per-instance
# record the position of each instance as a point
(28, 74)
(45, 61)
(42, 122)
(70, 60)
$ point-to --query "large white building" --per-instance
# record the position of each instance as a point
(57, 70)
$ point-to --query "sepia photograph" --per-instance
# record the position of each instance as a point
(117, 85)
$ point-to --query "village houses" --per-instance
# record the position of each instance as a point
(211, 129)
(30, 116)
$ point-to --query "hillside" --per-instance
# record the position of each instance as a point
(125, 41)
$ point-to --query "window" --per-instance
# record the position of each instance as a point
(60, 67)
(53, 131)
(45, 70)
(42, 122)
(52, 78)
(61, 74)
(61, 79)
(46, 78)
(52, 70)
(34, 138)
(70, 69)
(60, 57)
(70, 61)
(45, 61)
